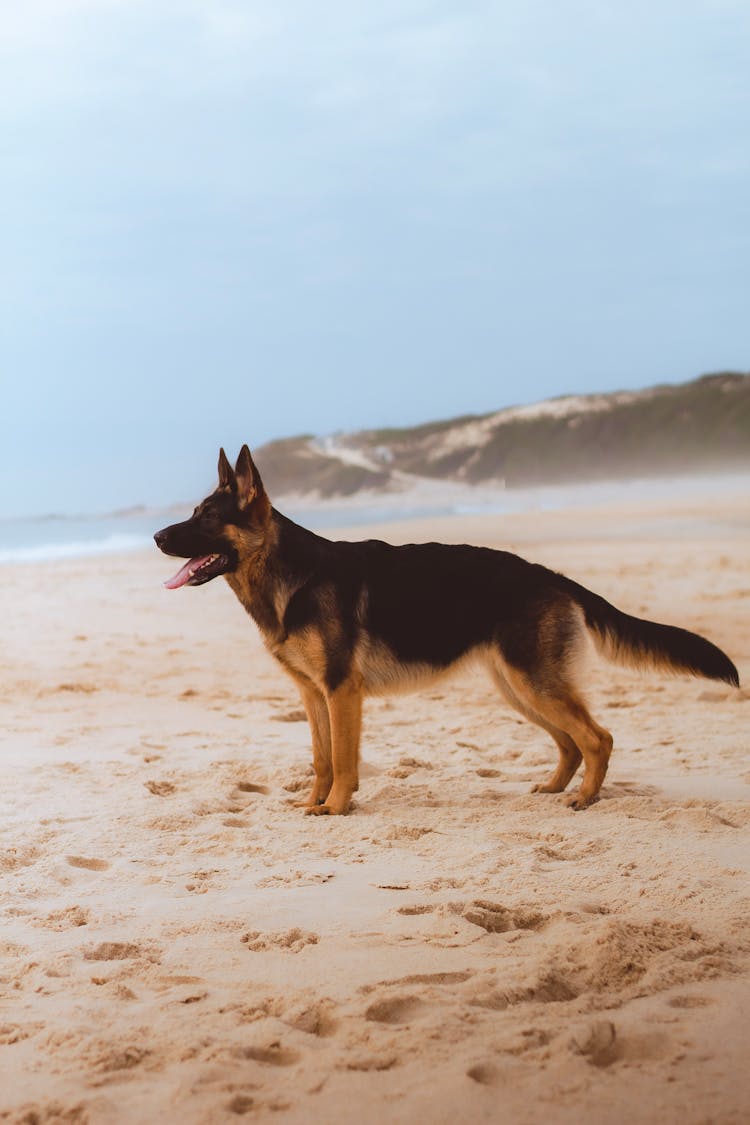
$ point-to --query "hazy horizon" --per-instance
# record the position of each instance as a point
(136, 505)
(59, 536)
(226, 224)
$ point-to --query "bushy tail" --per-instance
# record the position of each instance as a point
(645, 644)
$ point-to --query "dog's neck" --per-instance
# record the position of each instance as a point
(266, 582)
(253, 583)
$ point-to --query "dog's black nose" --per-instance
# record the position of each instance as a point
(159, 539)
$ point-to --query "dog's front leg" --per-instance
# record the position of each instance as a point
(316, 709)
(345, 717)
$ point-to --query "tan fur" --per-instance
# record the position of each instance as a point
(316, 708)
(253, 547)
(611, 647)
(345, 716)
(384, 674)
(304, 653)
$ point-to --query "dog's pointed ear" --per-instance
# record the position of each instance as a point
(249, 485)
(227, 478)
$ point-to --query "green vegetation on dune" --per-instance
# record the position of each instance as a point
(670, 430)
(703, 425)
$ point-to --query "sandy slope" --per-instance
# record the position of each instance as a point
(179, 943)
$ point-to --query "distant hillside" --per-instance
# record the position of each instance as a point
(700, 426)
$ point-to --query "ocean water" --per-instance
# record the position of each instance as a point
(64, 537)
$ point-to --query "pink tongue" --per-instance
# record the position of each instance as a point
(183, 575)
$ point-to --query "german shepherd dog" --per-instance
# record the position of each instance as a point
(348, 620)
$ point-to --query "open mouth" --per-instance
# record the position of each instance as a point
(199, 570)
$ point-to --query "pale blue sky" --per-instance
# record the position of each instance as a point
(225, 222)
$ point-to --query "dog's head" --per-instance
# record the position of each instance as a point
(227, 529)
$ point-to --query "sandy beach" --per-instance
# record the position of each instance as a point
(180, 943)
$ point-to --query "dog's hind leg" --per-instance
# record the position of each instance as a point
(570, 755)
(316, 709)
(569, 761)
(560, 706)
(345, 716)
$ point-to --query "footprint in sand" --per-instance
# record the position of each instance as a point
(690, 1002)
(572, 851)
(613, 958)
(406, 832)
(242, 797)
(66, 919)
(297, 785)
(201, 881)
(240, 1104)
(442, 883)
(52, 1110)
(11, 1033)
(498, 919)
(160, 788)
(122, 951)
(371, 1062)
(296, 716)
(486, 1074)
(19, 857)
(191, 998)
(87, 863)
(395, 1009)
(703, 816)
(407, 766)
(297, 878)
(273, 1054)
(457, 977)
(112, 1060)
(552, 987)
(315, 1019)
(292, 941)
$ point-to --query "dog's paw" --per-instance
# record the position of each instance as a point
(577, 803)
(330, 808)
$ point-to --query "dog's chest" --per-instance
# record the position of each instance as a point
(301, 654)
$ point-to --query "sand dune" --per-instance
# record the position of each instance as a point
(179, 943)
